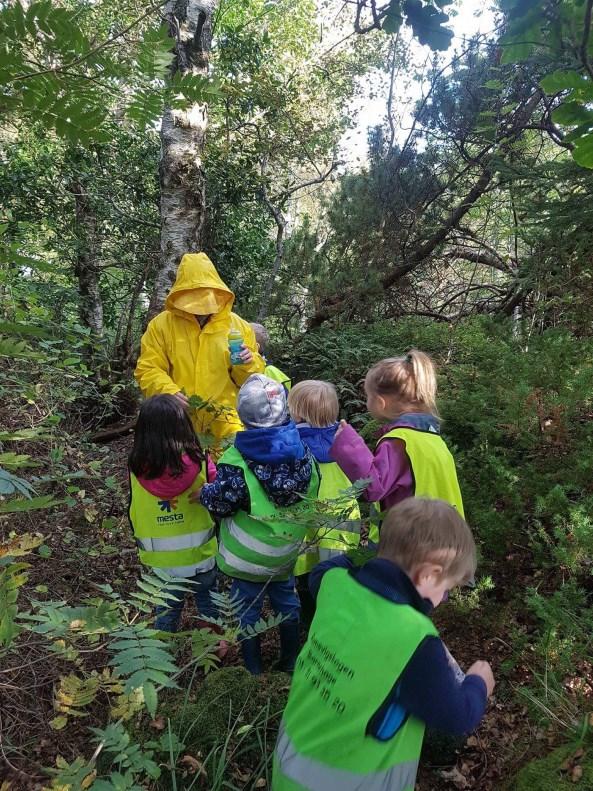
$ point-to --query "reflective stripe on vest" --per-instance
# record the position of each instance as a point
(248, 569)
(174, 543)
(337, 539)
(192, 570)
(247, 540)
(264, 543)
(316, 776)
(432, 465)
(175, 534)
(324, 745)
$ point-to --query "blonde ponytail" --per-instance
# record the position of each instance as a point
(411, 378)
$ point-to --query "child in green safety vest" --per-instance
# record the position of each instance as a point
(263, 339)
(173, 532)
(374, 672)
(411, 458)
(314, 407)
(260, 496)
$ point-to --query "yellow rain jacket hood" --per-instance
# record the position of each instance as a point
(177, 354)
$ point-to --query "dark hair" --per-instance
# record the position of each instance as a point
(163, 434)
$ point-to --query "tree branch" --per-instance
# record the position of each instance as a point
(484, 257)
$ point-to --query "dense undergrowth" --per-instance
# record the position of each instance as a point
(517, 411)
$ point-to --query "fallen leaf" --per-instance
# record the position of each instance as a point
(158, 724)
(454, 776)
(90, 778)
(578, 754)
(576, 774)
(260, 783)
(193, 765)
(58, 723)
(472, 741)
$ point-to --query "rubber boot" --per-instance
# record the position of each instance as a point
(289, 645)
(251, 651)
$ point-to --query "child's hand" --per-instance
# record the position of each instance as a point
(182, 398)
(483, 669)
(341, 427)
(195, 496)
(246, 355)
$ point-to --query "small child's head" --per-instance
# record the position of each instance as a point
(314, 402)
(401, 384)
(432, 543)
(262, 337)
(164, 433)
(262, 403)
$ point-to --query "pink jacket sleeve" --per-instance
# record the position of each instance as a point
(388, 467)
(211, 468)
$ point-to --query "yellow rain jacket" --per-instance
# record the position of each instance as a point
(176, 354)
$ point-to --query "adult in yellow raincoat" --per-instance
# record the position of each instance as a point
(184, 350)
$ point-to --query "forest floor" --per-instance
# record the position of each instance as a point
(90, 543)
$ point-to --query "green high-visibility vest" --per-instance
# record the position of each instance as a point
(175, 535)
(358, 646)
(278, 376)
(324, 543)
(432, 465)
(265, 542)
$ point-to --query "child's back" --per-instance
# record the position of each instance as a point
(173, 532)
(411, 458)
(373, 671)
(314, 407)
(260, 495)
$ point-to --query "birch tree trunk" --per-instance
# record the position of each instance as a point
(85, 267)
(183, 132)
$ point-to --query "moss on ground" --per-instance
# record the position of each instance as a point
(555, 772)
(228, 700)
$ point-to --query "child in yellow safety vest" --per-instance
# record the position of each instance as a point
(173, 532)
(314, 407)
(411, 458)
(374, 672)
(263, 484)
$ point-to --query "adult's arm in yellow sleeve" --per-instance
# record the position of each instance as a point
(152, 369)
(256, 366)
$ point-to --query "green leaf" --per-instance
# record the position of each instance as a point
(58, 722)
(44, 551)
(150, 698)
(494, 85)
(583, 151)
(572, 113)
(563, 79)
(17, 506)
(393, 20)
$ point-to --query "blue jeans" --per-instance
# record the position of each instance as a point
(284, 601)
(167, 618)
(283, 598)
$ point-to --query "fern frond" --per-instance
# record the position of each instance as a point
(144, 661)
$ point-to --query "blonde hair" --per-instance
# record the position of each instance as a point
(419, 530)
(411, 378)
(314, 402)
(262, 336)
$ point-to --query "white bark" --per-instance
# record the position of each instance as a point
(183, 132)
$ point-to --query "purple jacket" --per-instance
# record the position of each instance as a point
(389, 467)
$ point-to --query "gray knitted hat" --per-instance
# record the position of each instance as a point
(262, 402)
